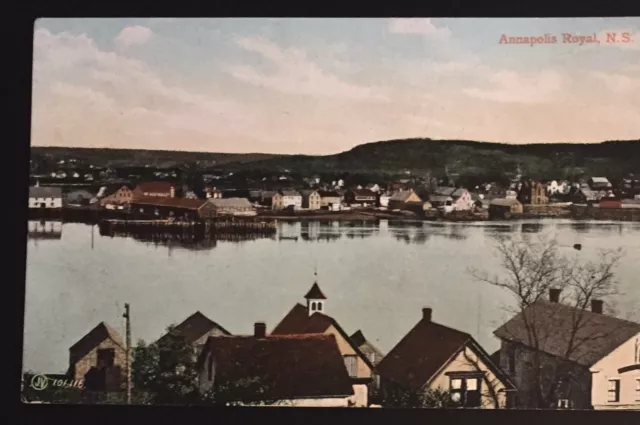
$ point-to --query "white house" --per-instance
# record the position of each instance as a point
(384, 200)
(615, 382)
(553, 188)
(45, 197)
(291, 198)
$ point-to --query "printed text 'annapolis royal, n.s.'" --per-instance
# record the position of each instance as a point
(569, 38)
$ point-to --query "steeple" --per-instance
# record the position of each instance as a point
(315, 298)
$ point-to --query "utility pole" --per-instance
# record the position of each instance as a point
(127, 318)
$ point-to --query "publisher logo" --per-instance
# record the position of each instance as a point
(39, 382)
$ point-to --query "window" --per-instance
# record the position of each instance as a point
(614, 390)
(512, 360)
(350, 361)
(210, 369)
(466, 390)
(313, 306)
(564, 403)
(106, 357)
(319, 306)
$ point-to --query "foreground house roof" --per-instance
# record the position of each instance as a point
(284, 367)
(92, 339)
(427, 348)
(44, 192)
(194, 327)
(298, 321)
(598, 335)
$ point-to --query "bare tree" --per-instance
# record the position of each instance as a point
(531, 268)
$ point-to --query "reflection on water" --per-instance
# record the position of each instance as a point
(44, 230)
(377, 277)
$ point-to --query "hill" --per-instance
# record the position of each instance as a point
(613, 159)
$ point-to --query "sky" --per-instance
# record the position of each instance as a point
(323, 86)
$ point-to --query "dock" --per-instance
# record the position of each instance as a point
(200, 229)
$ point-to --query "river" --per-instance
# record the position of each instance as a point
(377, 278)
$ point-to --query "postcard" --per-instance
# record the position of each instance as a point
(370, 213)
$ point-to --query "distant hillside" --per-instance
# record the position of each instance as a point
(464, 157)
(613, 159)
(141, 157)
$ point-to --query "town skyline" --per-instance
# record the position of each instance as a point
(324, 86)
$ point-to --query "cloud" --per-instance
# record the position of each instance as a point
(296, 73)
(130, 36)
(514, 87)
(422, 26)
(617, 82)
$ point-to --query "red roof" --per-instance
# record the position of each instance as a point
(281, 367)
(92, 339)
(298, 321)
(315, 293)
(186, 203)
(421, 353)
(155, 187)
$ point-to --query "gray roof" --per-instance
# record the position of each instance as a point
(445, 190)
(230, 202)
(290, 193)
(458, 192)
(439, 198)
(45, 192)
(401, 195)
(597, 336)
(599, 180)
(504, 202)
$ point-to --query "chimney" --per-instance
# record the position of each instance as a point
(259, 330)
(554, 295)
(596, 306)
(173, 191)
(426, 314)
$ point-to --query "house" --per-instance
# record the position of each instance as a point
(79, 197)
(278, 370)
(330, 199)
(312, 318)
(570, 342)
(533, 193)
(193, 331)
(504, 208)
(460, 197)
(158, 189)
(361, 197)
(615, 378)
(311, 199)
(166, 207)
(373, 187)
(583, 195)
(120, 196)
(405, 199)
(291, 199)
(433, 356)
(384, 199)
(371, 351)
(45, 197)
(441, 201)
(233, 206)
(212, 193)
(275, 200)
(98, 359)
(599, 183)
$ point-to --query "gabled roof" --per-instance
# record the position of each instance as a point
(231, 202)
(45, 192)
(367, 347)
(428, 347)
(401, 195)
(194, 327)
(186, 203)
(290, 193)
(285, 367)
(92, 339)
(458, 192)
(445, 190)
(598, 335)
(315, 293)
(298, 321)
(155, 187)
(328, 194)
(363, 193)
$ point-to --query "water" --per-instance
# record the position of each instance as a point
(377, 278)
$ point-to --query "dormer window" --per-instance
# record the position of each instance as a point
(313, 306)
(319, 306)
